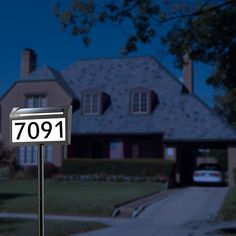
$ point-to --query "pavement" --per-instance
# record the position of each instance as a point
(134, 208)
(105, 220)
(188, 212)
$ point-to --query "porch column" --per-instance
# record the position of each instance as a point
(231, 165)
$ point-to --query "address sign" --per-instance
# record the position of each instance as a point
(41, 125)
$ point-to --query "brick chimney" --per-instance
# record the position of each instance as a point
(188, 73)
(28, 62)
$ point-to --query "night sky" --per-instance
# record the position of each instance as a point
(31, 24)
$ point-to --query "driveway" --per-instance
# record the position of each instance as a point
(190, 212)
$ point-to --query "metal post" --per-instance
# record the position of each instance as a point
(41, 188)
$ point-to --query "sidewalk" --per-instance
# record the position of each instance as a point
(105, 220)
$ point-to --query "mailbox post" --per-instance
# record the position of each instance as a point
(30, 126)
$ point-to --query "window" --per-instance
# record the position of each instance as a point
(91, 103)
(170, 153)
(48, 153)
(36, 101)
(140, 101)
(28, 154)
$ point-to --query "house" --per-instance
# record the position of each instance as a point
(122, 108)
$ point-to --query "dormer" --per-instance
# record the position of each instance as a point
(94, 102)
(142, 100)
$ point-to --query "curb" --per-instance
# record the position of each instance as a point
(135, 208)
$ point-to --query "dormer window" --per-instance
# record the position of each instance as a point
(141, 101)
(94, 102)
(91, 103)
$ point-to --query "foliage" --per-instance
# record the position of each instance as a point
(221, 157)
(192, 20)
(212, 39)
(147, 167)
(6, 156)
(21, 174)
(228, 208)
(225, 104)
(49, 170)
(234, 175)
(5, 172)
(205, 29)
(81, 16)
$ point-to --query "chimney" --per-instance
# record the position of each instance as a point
(188, 73)
(28, 62)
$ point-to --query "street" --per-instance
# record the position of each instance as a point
(189, 212)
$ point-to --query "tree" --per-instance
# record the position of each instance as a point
(6, 157)
(211, 36)
(206, 29)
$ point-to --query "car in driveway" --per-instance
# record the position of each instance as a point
(208, 173)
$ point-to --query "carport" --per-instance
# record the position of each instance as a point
(186, 153)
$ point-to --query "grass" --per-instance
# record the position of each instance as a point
(228, 208)
(228, 211)
(16, 227)
(72, 198)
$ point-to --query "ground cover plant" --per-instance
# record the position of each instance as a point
(72, 197)
(19, 227)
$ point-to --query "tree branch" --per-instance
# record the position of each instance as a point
(201, 11)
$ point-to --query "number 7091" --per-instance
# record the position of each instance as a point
(38, 130)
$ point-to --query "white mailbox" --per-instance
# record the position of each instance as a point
(40, 125)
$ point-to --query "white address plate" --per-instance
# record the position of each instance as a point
(38, 130)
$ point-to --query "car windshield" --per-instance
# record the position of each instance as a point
(208, 167)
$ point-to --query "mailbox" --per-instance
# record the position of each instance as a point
(42, 125)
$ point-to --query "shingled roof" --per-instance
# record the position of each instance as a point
(178, 116)
(47, 73)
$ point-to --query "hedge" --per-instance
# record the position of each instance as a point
(127, 167)
(32, 171)
(234, 175)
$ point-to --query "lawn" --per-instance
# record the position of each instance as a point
(72, 198)
(228, 211)
(17, 227)
(228, 208)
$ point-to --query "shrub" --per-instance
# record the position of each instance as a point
(221, 157)
(5, 172)
(234, 175)
(49, 170)
(6, 157)
(140, 167)
(21, 174)
(31, 171)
